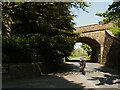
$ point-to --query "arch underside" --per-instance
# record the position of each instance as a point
(95, 57)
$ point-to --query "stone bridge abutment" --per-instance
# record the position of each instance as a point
(102, 42)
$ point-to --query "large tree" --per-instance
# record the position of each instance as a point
(47, 26)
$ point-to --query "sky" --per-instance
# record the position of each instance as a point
(83, 18)
(77, 45)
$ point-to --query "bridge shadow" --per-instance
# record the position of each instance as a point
(76, 60)
(110, 77)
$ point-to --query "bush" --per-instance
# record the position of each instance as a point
(16, 49)
(115, 31)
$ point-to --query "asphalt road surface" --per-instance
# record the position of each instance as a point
(96, 76)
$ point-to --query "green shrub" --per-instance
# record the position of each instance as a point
(16, 49)
(115, 31)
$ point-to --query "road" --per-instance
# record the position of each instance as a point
(96, 76)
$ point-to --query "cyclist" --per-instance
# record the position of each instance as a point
(82, 65)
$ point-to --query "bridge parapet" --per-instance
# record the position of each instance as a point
(92, 28)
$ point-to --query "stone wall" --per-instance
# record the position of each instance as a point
(21, 70)
(93, 28)
(111, 53)
(24, 70)
(98, 36)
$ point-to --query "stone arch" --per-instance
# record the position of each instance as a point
(94, 45)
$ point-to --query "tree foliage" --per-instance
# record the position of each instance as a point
(115, 31)
(78, 52)
(87, 48)
(46, 26)
(16, 49)
(112, 15)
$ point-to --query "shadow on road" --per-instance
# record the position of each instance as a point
(110, 77)
(64, 68)
(107, 79)
(46, 81)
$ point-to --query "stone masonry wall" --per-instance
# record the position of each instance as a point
(21, 70)
(111, 53)
(98, 36)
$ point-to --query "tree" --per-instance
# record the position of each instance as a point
(25, 18)
(87, 48)
(112, 15)
(47, 26)
(114, 12)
